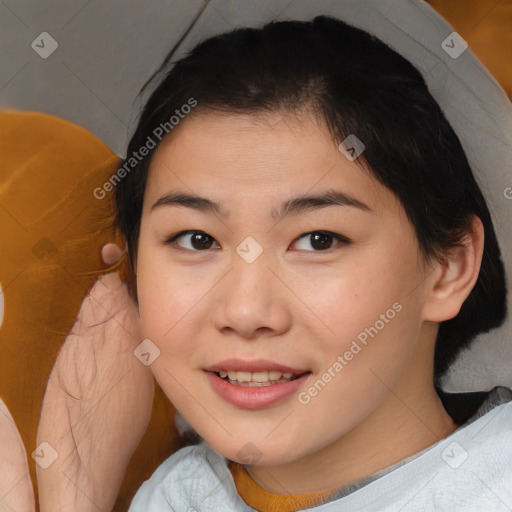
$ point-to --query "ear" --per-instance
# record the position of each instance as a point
(453, 280)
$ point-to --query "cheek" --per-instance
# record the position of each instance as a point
(165, 302)
(370, 312)
(163, 311)
(353, 296)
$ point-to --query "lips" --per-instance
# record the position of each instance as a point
(250, 384)
(259, 396)
(255, 365)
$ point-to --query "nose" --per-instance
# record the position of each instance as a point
(254, 301)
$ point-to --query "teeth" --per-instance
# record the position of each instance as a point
(255, 378)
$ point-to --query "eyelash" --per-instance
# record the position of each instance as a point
(171, 240)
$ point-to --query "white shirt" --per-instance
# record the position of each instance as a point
(470, 470)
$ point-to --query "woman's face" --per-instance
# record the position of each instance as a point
(262, 286)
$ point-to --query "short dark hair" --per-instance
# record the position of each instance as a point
(355, 84)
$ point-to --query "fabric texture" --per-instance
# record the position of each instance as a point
(487, 27)
(469, 470)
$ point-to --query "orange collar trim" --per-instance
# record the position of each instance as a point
(264, 501)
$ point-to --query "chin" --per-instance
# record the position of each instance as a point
(258, 452)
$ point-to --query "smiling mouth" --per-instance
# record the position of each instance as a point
(257, 379)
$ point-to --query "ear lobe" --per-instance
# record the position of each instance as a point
(458, 275)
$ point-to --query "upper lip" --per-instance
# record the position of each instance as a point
(255, 365)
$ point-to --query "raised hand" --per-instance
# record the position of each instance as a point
(97, 404)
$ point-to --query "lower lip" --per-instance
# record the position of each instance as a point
(255, 397)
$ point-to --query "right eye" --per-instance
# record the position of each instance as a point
(199, 242)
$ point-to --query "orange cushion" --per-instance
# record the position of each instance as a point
(53, 228)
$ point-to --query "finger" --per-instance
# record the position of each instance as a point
(16, 492)
(108, 299)
(111, 253)
(96, 407)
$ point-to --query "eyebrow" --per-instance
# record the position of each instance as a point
(294, 206)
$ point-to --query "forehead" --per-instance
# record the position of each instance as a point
(239, 159)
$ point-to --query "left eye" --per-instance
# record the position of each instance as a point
(323, 239)
(201, 241)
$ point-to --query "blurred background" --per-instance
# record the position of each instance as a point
(105, 51)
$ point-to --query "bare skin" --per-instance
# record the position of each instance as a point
(97, 403)
(16, 492)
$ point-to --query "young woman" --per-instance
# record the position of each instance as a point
(310, 253)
